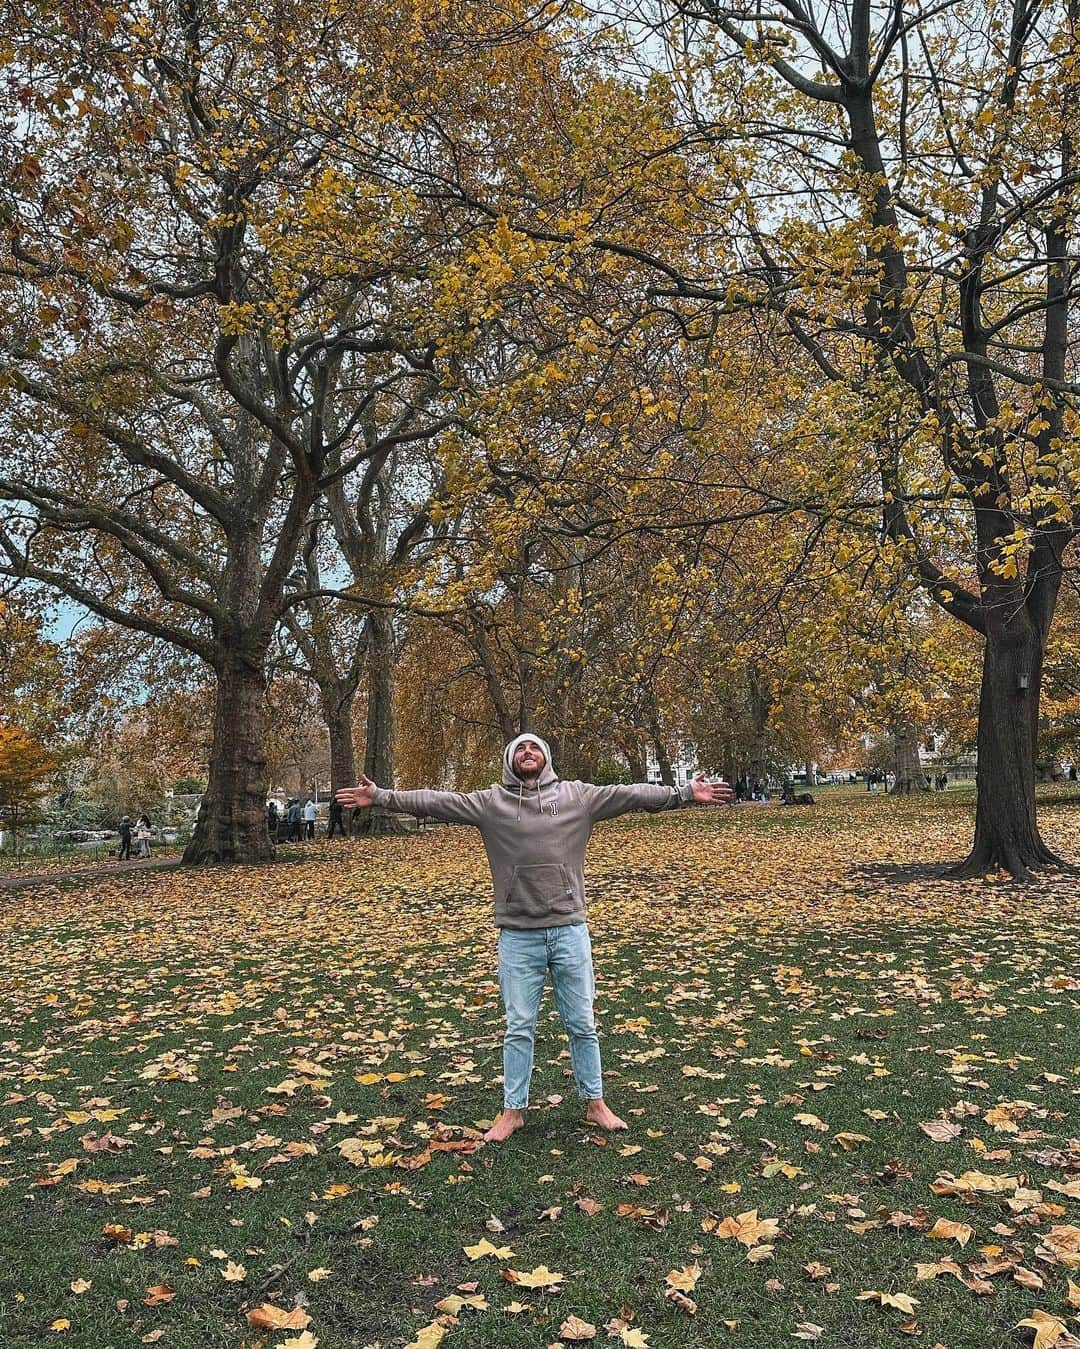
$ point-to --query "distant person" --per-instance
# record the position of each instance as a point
(271, 818)
(534, 828)
(311, 814)
(293, 820)
(143, 834)
(337, 819)
(125, 839)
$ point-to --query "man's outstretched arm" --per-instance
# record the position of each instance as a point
(607, 802)
(451, 807)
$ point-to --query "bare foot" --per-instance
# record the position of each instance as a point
(505, 1125)
(599, 1113)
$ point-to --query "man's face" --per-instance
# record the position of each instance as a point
(528, 760)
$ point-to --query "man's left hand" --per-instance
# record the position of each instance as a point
(710, 793)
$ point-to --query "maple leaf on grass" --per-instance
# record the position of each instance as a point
(576, 1330)
(306, 1340)
(901, 1301)
(485, 1248)
(540, 1277)
(941, 1130)
(1048, 1329)
(269, 1317)
(946, 1230)
(430, 1337)
(748, 1228)
(454, 1303)
(685, 1279)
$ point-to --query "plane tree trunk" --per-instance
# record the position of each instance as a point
(379, 732)
(908, 776)
(231, 823)
(1007, 834)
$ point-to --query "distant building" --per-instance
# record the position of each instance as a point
(683, 767)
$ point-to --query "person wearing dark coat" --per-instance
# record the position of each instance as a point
(294, 821)
(125, 839)
(337, 819)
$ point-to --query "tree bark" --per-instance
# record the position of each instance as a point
(337, 708)
(379, 736)
(635, 761)
(231, 824)
(667, 773)
(758, 697)
(1007, 835)
(909, 778)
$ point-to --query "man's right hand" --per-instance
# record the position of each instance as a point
(358, 797)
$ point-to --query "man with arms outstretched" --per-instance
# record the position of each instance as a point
(535, 827)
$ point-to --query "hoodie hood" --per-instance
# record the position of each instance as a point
(510, 778)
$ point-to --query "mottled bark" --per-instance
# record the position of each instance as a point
(908, 776)
(231, 824)
(337, 708)
(379, 731)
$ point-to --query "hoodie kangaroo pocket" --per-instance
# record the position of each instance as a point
(540, 890)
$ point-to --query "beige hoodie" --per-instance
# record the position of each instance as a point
(535, 834)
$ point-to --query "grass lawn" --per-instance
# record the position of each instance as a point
(227, 1089)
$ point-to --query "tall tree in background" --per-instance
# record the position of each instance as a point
(226, 236)
(32, 673)
(26, 769)
(906, 209)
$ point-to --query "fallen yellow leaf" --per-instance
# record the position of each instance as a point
(684, 1279)
(1048, 1329)
(901, 1301)
(484, 1247)
(269, 1317)
(947, 1230)
(540, 1277)
(573, 1328)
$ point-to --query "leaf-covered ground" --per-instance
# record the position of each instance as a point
(242, 1107)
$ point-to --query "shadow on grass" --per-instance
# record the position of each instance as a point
(901, 873)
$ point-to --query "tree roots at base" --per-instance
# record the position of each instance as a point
(985, 860)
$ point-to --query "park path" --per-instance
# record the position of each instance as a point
(22, 880)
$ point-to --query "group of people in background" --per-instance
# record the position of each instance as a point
(300, 820)
(142, 831)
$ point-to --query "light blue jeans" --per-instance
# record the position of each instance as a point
(524, 960)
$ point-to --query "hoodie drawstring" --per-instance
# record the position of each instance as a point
(539, 799)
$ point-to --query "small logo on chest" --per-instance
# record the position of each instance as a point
(554, 807)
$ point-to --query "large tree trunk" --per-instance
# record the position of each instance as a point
(231, 824)
(667, 772)
(909, 776)
(759, 701)
(379, 736)
(1006, 833)
(636, 762)
(337, 708)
